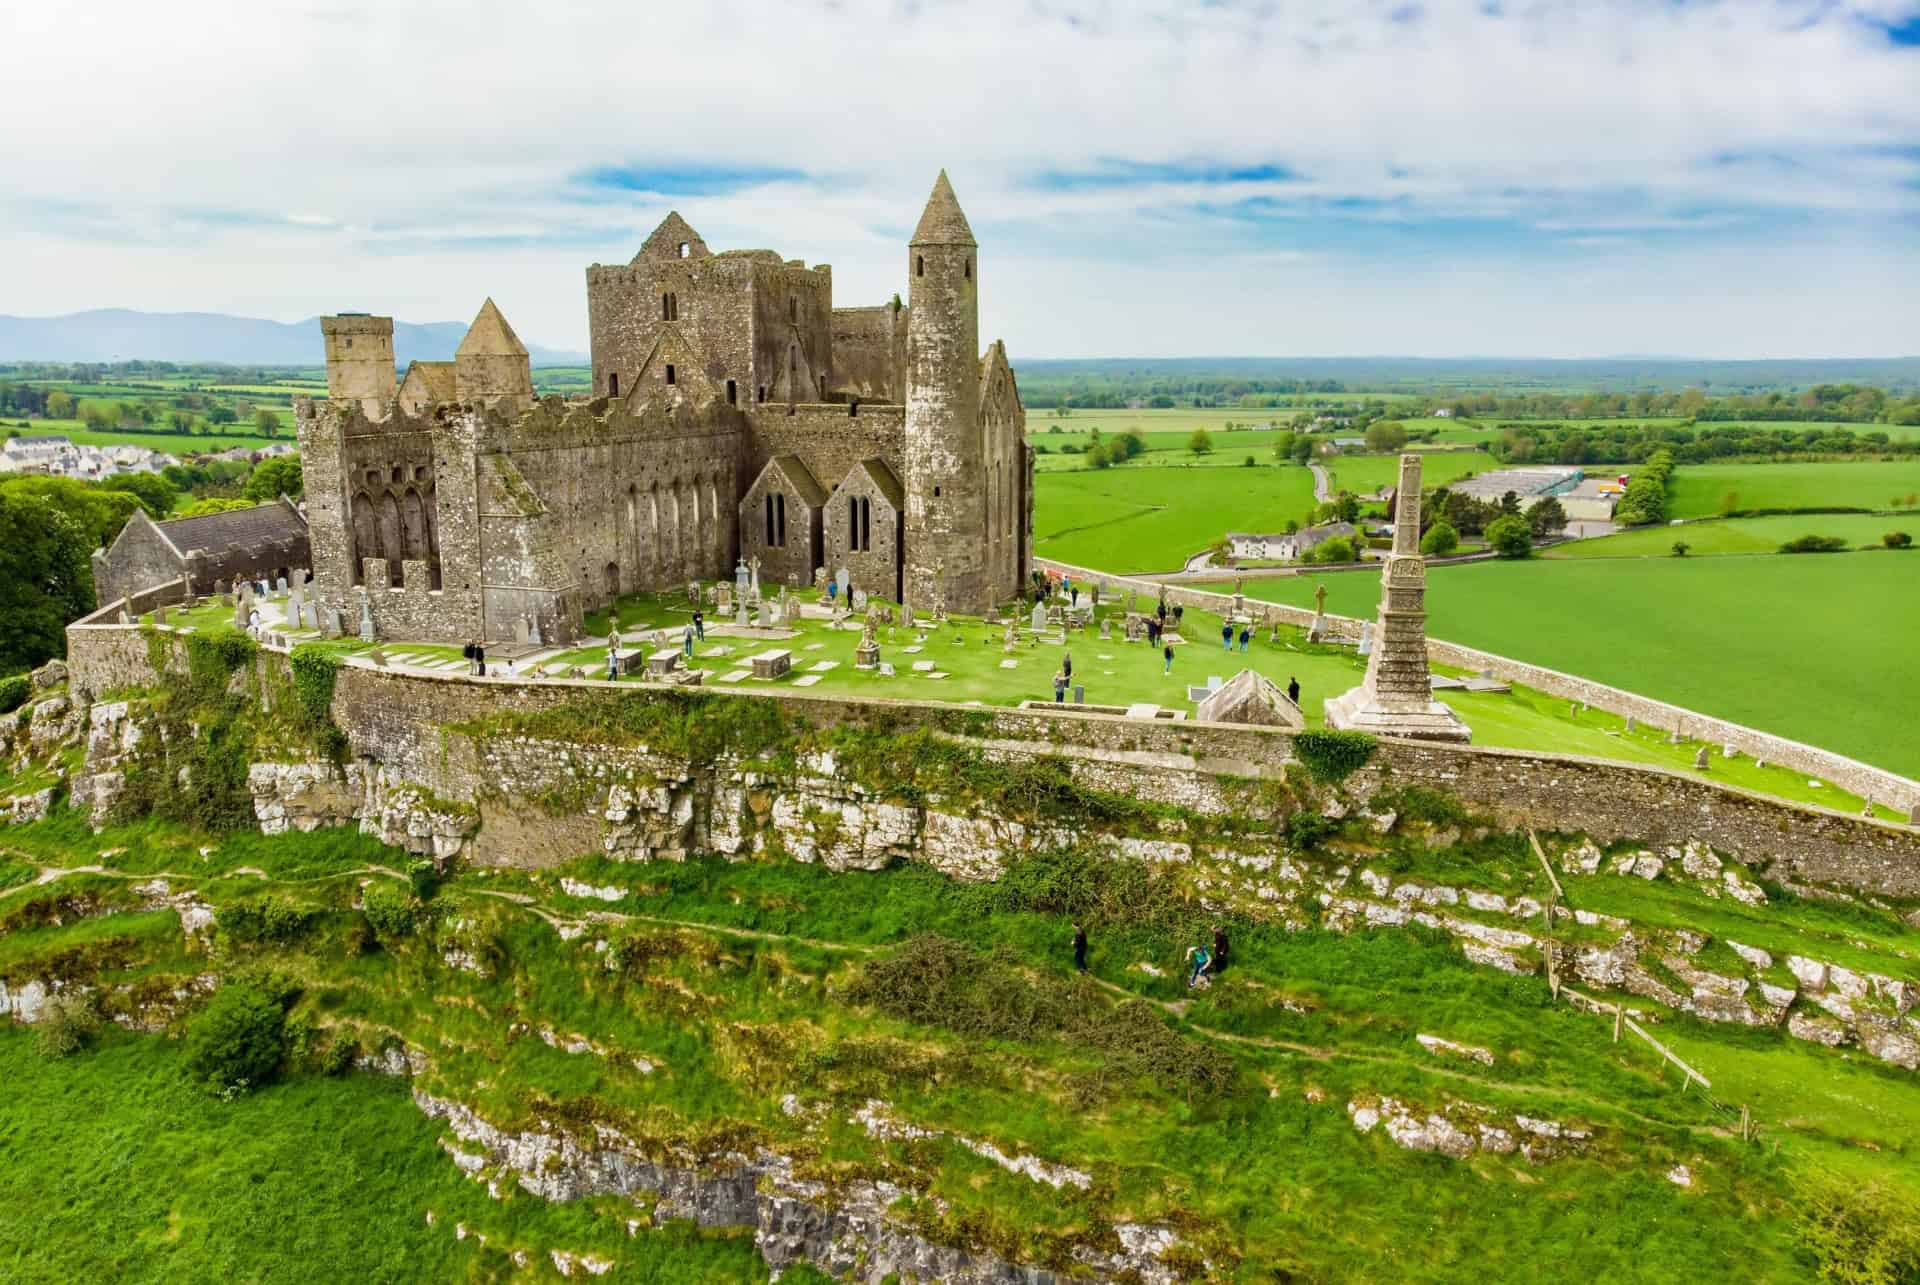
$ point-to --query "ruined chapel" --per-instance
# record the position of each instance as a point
(736, 413)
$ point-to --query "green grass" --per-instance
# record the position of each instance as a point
(1134, 518)
(1702, 490)
(113, 1168)
(1369, 474)
(166, 443)
(1737, 535)
(1812, 648)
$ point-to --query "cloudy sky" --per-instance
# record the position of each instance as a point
(1567, 178)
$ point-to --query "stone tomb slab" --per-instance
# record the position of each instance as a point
(916, 647)
(822, 666)
(1477, 684)
(806, 680)
(735, 675)
(922, 666)
(1009, 664)
(772, 664)
(663, 662)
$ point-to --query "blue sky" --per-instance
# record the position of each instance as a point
(1199, 177)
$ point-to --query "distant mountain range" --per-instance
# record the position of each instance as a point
(121, 334)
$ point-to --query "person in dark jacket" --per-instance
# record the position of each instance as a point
(1293, 690)
(1079, 948)
(1219, 963)
(1168, 653)
(1246, 636)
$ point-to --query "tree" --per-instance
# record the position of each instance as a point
(180, 420)
(1346, 507)
(1338, 549)
(266, 422)
(276, 477)
(46, 578)
(1680, 548)
(1283, 446)
(238, 1040)
(1386, 435)
(1510, 537)
(1302, 449)
(1547, 518)
(59, 404)
(155, 493)
(212, 504)
(1201, 443)
(1897, 540)
(1439, 541)
(223, 415)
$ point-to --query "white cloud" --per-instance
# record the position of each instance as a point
(427, 148)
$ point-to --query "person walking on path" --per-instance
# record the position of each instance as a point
(1220, 946)
(1178, 612)
(1073, 596)
(1246, 636)
(1293, 689)
(613, 663)
(686, 642)
(1153, 632)
(1059, 687)
(700, 626)
(1066, 665)
(1168, 653)
(1079, 949)
(1197, 961)
(1226, 636)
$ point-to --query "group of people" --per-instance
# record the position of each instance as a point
(1226, 635)
(1203, 962)
(476, 654)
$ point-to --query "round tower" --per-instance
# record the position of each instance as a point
(945, 562)
(360, 360)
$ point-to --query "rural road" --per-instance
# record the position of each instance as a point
(1320, 488)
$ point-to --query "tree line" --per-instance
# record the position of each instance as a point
(1696, 443)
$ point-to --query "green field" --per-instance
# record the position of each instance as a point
(1369, 474)
(1812, 648)
(1136, 518)
(1738, 535)
(1702, 490)
(167, 443)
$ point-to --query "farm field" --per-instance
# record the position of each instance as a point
(1809, 647)
(1134, 518)
(170, 443)
(1738, 535)
(1701, 490)
(1368, 474)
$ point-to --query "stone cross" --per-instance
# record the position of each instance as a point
(740, 578)
(1406, 507)
(1319, 600)
(367, 632)
(754, 585)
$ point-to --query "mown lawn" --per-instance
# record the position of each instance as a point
(1703, 490)
(1817, 648)
(1368, 474)
(1739, 535)
(1134, 518)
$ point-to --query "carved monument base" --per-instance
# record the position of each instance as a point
(1356, 712)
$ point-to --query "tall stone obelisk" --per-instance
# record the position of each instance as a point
(1396, 697)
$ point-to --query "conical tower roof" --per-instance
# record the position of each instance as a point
(490, 336)
(942, 223)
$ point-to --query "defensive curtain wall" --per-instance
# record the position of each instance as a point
(507, 771)
(1863, 779)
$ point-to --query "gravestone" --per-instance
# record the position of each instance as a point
(820, 579)
(867, 654)
(521, 631)
(859, 599)
(1631, 724)
(765, 619)
(772, 664)
(332, 625)
(367, 632)
(1079, 694)
(740, 579)
(887, 671)
(1366, 638)
(693, 593)
(159, 615)
(1317, 631)
(663, 662)
(740, 611)
(1700, 759)
(1106, 629)
(753, 583)
(378, 657)
(242, 609)
(280, 585)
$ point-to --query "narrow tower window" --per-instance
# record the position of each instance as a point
(919, 265)
(969, 267)
(780, 519)
(685, 249)
(853, 408)
(733, 394)
(769, 503)
(613, 384)
(666, 307)
(793, 308)
(669, 372)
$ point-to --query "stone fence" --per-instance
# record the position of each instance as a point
(161, 595)
(397, 721)
(1863, 779)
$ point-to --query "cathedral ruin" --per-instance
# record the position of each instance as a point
(736, 413)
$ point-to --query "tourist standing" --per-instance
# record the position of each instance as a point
(480, 659)
(1246, 636)
(1219, 950)
(1059, 687)
(700, 626)
(1226, 636)
(613, 663)
(1079, 949)
(1066, 664)
(1168, 653)
(467, 651)
(686, 642)
(1293, 690)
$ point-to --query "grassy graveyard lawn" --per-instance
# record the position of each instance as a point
(1813, 648)
(1133, 518)
(1739, 535)
(1703, 490)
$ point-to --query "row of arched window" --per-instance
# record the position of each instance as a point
(400, 526)
(672, 529)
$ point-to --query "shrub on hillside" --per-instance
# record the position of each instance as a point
(1815, 544)
(1892, 539)
(1332, 756)
(1511, 536)
(1860, 1234)
(238, 1040)
(266, 919)
(1440, 540)
(14, 691)
(390, 910)
(424, 879)
(67, 1025)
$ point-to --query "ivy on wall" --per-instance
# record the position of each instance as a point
(1332, 756)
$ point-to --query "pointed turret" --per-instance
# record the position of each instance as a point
(491, 362)
(490, 336)
(943, 222)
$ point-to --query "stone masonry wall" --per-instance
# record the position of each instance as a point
(400, 721)
(1849, 774)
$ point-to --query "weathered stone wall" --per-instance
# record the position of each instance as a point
(869, 352)
(830, 440)
(1878, 784)
(863, 529)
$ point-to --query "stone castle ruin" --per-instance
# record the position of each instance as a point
(735, 414)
